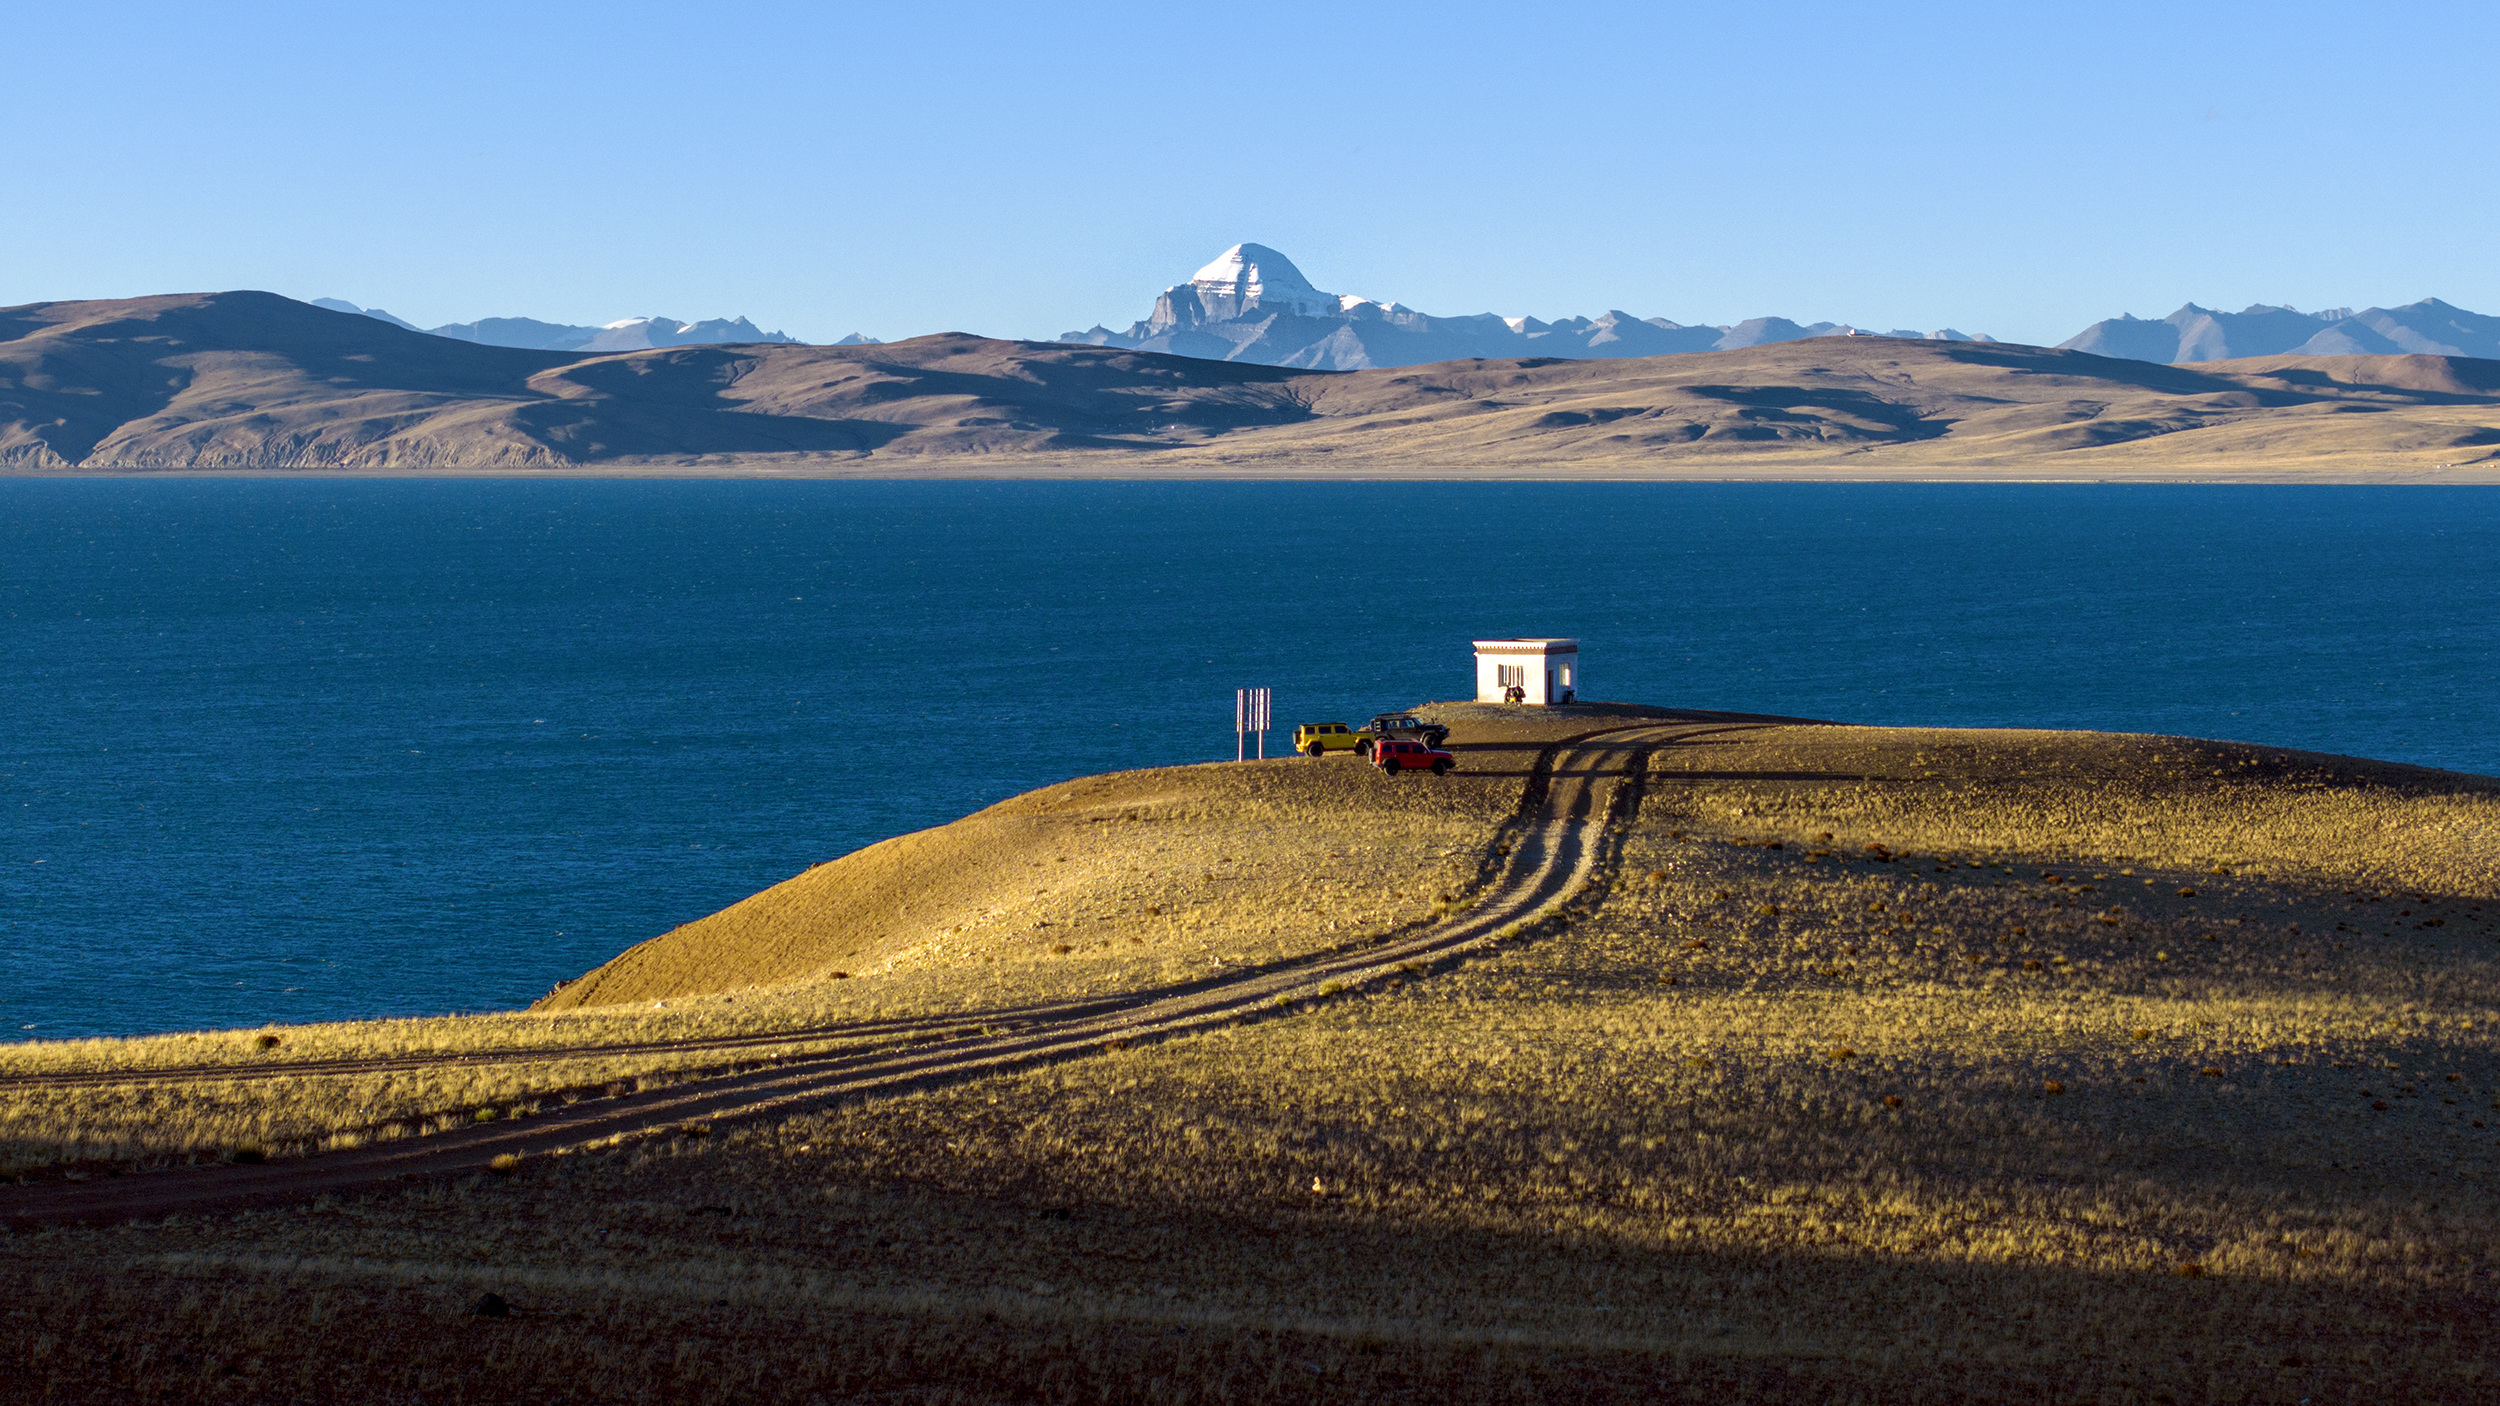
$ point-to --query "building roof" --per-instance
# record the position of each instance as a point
(1533, 644)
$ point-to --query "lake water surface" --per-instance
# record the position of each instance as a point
(291, 750)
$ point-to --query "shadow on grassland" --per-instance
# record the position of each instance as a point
(901, 1287)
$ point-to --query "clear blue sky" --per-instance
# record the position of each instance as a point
(1020, 170)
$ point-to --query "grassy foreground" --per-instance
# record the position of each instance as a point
(1881, 1064)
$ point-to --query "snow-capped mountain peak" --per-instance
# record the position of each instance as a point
(1247, 280)
(1252, 304)
(1255, 276)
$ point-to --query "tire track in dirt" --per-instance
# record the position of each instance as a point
(916, 1026)
(1582, 794)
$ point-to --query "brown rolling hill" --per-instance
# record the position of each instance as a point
(251, 381)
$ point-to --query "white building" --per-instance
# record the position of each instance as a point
(1527, 671)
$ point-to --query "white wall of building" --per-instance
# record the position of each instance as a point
(1546, 669)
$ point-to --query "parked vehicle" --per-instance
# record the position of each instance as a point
(1396, 754)
(1405, 725)
(1319, 739)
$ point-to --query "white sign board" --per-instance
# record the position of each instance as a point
(1251, 714)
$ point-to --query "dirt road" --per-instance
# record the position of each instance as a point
(1580, 794)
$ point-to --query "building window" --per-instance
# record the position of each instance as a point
(1566, 672)
(1510, 675)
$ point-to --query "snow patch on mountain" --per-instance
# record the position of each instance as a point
(1253, 304)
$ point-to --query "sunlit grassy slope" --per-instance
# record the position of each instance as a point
(1096, 886)
(1138, 876)
(1883, 1063)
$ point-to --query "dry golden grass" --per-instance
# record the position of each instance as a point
(343, 1084)
(1767, 1116)
(1188, 863)
(1094, 887)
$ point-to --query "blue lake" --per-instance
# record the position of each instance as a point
(292, 750)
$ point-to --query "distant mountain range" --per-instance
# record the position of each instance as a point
(1253, 305)
(2194, 334)
(252, 381)
(631, 334)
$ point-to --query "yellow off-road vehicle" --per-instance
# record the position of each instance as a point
(1319, 739)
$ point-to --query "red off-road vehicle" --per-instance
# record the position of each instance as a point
(1396, 754)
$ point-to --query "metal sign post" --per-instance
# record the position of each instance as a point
(1251, 713)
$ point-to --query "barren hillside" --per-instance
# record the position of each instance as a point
(255, 382)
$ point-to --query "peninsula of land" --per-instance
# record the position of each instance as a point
(1652, 1055)
(245, 382)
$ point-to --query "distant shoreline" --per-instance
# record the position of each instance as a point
(2484, 474)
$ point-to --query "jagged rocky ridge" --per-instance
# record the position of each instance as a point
(629, 334)
(2193, 334)
(1252, 304)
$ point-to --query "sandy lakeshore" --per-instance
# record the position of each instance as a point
(1653, 1055)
